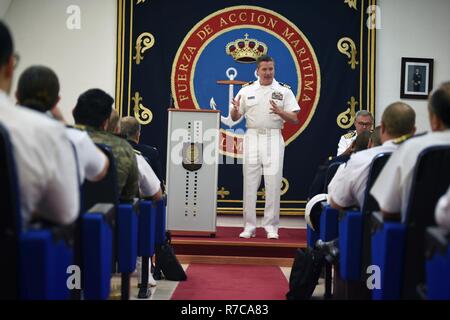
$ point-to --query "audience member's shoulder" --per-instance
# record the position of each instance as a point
(76, 133)
(147, 148)
(406, 137)
(123, 142)
(349, 135)
(35, 118)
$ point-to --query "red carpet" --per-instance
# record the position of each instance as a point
(232, 282)
(228, 243)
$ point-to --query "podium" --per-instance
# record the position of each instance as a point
(192, 170)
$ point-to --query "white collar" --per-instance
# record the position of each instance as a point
(273, 85)
(5, 100)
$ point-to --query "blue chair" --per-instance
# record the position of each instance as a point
(437, 255)
(146, 242)
(97, 251)
(354, 229)
(125, 221)
(388, 254)
(431, 178)
(38, 257)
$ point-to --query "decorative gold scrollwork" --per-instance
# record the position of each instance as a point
(140, 1)
(222, 193)
(351, 3)
(284, 186)
(347, 46)
(141, 113)
(144, 42)
(345, 119)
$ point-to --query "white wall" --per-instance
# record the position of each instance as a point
(82, 59)
(4, 6)
(411, 28)
(86, 58)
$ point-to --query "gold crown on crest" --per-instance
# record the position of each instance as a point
(246, 50)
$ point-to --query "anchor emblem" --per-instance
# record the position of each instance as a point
(231, 75)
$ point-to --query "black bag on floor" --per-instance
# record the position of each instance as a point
(167, 263)
(305, 274)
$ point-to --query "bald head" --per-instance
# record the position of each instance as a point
(398, 119)
(131, 128)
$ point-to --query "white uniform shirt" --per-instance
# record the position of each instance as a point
(255, 104)
(149, 183)
(442, 213)
(45, 164)
(91, 160)
(345, 142)
(348, 186)
(392, 187)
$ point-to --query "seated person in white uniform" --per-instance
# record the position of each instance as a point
(392, 187)
(38, 89)
(149, 183)
(45, 160)
(348, 186)
(363, 122)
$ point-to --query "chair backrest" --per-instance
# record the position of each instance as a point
(430, 180)
(370, 205)
(105, 190)
(331, 171)
(10, 222)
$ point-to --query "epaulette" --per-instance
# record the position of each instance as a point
(284, 85)
(350, 135)
(405, 137)
(79, 127)
(137, 152)
(248, 83)
(402, 139)
(73, 127)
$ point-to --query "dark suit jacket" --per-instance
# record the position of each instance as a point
(151, 154)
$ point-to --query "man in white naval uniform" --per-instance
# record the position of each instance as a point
(363, 122)
(348, 186)
(393, 185)
(266, 105)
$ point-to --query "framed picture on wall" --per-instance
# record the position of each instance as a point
(416, 78)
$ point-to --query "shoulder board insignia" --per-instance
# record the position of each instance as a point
(402, 139)
(349, 135)
(284, 85)
(405, 137)
(248, 83)
(78, 126)
(73, 127)
(137, 152)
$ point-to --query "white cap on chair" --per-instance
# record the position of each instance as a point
(316, 200)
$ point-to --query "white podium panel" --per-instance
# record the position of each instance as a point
(192, 170)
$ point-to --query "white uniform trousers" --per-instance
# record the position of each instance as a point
(263, 154)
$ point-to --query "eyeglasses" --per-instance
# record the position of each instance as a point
(16, 58)
(364, 124)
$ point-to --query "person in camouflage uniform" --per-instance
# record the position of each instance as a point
(92, 113)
